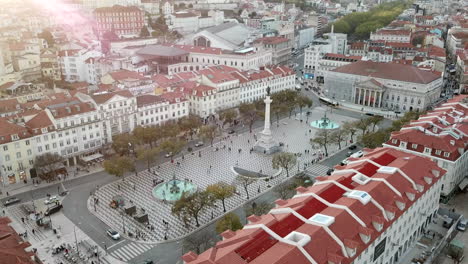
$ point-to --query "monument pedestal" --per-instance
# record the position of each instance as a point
(266, 144)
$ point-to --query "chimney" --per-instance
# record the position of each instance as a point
(452, 142)
(68, 109)
(77, 108)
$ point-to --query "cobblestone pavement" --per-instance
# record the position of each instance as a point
(294, 134)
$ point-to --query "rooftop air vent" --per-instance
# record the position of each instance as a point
(298, 238)
(322, 219)
(362, 196)
(387, 170)
(361, 179)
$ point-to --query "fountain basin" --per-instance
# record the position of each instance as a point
(324, 125)
(172, 190)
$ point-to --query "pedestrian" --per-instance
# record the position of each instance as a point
(33, 231)
(7, 194)
(118, 187)
(22, 219)
(248, 141)
(3, 211)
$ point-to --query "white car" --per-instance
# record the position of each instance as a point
(113, 234)
(199, 144)
(357, 154)
(168, 155)
(51, 200)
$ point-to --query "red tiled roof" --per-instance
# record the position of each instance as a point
(393, 32)
(41, 120)
(148, 99)
(117, 9)
(256, 245)
(102, 98)
(272, 40)
(7, 129)
(126, 75)
(12, 248)
(390, 71)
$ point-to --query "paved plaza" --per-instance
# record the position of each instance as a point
(211, 167)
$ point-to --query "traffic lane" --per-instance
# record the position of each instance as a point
(76, 210)
(340, 156)
(54, 189)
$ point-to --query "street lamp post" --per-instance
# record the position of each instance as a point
(166, 224)
(76, 240)
(123, 221)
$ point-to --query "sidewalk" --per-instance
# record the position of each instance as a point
(67, 233)
(16, 188)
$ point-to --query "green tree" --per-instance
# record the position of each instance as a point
(146, 135)
(322, 138)
(190, 124)
(209, 132)
(362, 124)
(375, 120)
(169, 130)
(229, 222)
(228, 116)
(190, 206)
(199, 241)
(221, 191)
(350, 129)
(123, 144)
(341, 26)
(375, 139)
(172, 145)
(284, 160)
(364, 30)
(47, 165)
(118, 166)
(144, 32)
(338, 136)
(303, 101)
(284, 190)
(148, 155)
(249, 114)
(245, 182)
(49, 38)
(285, 101)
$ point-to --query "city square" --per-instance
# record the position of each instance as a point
(213, 165)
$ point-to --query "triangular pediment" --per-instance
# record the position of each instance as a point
(371, 84)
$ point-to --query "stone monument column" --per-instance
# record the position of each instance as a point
(266, 144)
(266, 128)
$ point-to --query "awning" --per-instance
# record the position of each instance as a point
(92, 157)
(463, 184)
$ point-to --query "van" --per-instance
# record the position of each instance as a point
(448, 222)
(462, 224)
(53, 209)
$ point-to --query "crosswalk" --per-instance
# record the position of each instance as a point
(130, 251)
(317, 170)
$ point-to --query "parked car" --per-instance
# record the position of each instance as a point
(148, 261)
(353, 147)
(231, 131)
(11, 200)
(357, 154)
(330, 171)
(53, 209)
(51, 200)
(448, 222)
(199, 144)
(370, 114)
(462, 224)
(344, 162)
(113, 234)
(168, 155)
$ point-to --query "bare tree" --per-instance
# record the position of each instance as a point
(245, 182)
